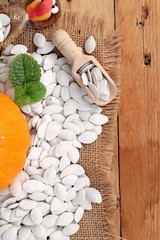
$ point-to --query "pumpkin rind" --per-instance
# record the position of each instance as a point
(14, 140)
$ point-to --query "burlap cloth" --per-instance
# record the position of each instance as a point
(96, 158)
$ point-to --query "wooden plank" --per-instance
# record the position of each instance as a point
(115, 177)
(102, 8)
(139, 120)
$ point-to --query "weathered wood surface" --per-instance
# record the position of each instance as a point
(139, 126)
(139, 119)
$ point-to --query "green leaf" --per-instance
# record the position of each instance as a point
(24, 69)
(29, 93)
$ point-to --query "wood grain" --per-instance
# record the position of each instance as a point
(139, 120)
(102, 8)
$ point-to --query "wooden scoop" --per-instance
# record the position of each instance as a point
(77, 59)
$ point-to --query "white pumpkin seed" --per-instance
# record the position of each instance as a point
(79, 214)
(63, 148)
(81, 183)
(57, 91)
(21, 212)
(72, 126)
(93, 195)
(76, 144)
(84, 115)
(69, 180)
(32, 186)
(37, 57)
(84, 77)
(65, 93)
(87, 137)
(34, 153)
(52, 130)
(57, 235)
(49, 162)
(22, 195)
(71, 207)
(39, 231)
(84, 106)
(7, 50)
(52, 100)
(73, 169)
(38, 196)
(64, 162)
(36, 215)
(98, 119)
(52, 109)
(8, 201)
(15, 187)
(49, 221)
(19, 48)
(66, 68)
(90, 44)
(71, 194)
(63, 78)
(79, 197)
(60, 191)
(32, 170)
(70, 107)
(48, 47)
(27, 204)
(72, 117)
(96, 109)
(10, 234)
(65, 218)
(94, 90)
(56, 68)
(75, 92)
(39, 40)
(88, 126)
(66, 135)
(44, 207)
(50, 61)
(5, 19)
(49, 175)
(56, 204)
(61, 61)
(86, 204)
(58, 118)
(71, 229)
(96, 75)
(24, 232)
(80, 125)
(6, 213)
(97, 129)
(4, 228)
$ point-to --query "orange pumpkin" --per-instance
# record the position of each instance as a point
(14, 140)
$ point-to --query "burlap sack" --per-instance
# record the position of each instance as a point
(97, 224)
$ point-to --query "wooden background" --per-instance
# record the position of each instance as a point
(136, 168)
